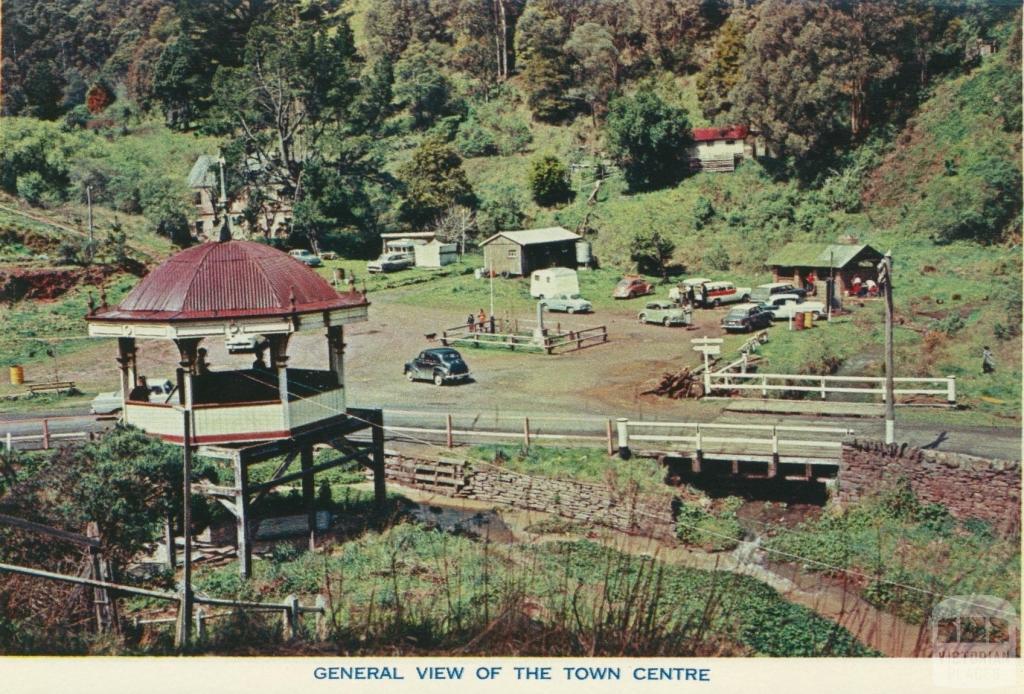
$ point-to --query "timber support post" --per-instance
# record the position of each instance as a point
(321, 618)
(623, 435)
(291, 617)
(308, 491)
(242, 518)
(376, 420)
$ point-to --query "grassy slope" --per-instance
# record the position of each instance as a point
(904, 195)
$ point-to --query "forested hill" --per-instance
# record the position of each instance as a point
(377, 115)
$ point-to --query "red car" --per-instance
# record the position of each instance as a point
(631, 287)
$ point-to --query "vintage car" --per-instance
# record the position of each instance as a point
(306, 258)
(746, 318)
(110, 402)
(569, 303)
(785, 306)
(439, 364)
(678, 292)
(389, 262)
(764, 292)
(714, 294)
(632, 286)
(666, 313)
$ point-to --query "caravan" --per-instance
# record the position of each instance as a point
(556, 280)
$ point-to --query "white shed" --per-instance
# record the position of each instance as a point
(436, 254)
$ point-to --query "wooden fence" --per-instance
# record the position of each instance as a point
(727, 380)
(511, 337)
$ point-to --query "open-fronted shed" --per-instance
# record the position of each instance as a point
(796, 262)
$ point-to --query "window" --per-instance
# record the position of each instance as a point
(513, 253)
(730, 142)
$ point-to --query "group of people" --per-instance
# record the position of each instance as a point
(863, 288)
(480, 323)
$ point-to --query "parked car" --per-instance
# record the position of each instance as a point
(785, 306)
(570, 303)
(439, 364)
(389, 262)
(746, 318)
(714, 294)
(764, 292)
(666, 313)
(677, 292)
(306, 258)
(111, 403)
(631, 286)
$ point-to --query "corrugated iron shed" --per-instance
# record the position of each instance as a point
(529, 237)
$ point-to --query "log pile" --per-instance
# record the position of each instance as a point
(681, 384)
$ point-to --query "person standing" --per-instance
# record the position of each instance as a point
(470, 322)
(481, 319)
(988, 362)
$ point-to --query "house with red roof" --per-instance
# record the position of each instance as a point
(720, 148)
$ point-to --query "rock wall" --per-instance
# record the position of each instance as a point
(968, 486)
(588, 503)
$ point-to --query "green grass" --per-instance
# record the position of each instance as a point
(894, 539)
(577, 464)
(440, 591)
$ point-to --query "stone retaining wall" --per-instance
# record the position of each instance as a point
(968, 486)
(592, 504)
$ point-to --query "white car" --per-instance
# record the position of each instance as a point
(390, 262)
(785, 306)
(110, 402)
(305, 257)
(570, 303)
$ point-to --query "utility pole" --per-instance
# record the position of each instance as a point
(88, 200)
(885, 279)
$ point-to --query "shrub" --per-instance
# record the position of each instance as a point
(473, 140)
(717, 258)
(652, 252)
(31, 187)
(549, 180)
(703, 212)
(717, 530)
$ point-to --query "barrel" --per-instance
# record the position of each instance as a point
(17, 375)
(809, 319)
(798, 320)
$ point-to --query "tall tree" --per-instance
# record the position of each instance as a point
(596, 65)
(547, 74)
(649, 139)
(434, 181)
(720, 75)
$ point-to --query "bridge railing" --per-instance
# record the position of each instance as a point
(825, 443)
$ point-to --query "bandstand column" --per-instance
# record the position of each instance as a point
(279, 362)
(126, 358)
(336, 352)
(308, 494)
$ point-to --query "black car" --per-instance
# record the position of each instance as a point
(746, 318)
(440, 365)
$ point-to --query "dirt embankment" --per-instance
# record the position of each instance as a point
(17, 284)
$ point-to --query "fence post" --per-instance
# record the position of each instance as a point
(773, 467)
(743, 366)
(611, 443)
(46, 434)
(764, 386)
(950, 390)
(290, 618)
(200, 618)
(822, 387)
(526, 432)
(10, 444)
(448, 431)
(698, 452)
(321, 617)
(623, 432)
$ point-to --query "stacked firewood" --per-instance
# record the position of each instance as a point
(678, 385)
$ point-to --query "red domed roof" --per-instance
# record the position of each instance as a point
(228, 279)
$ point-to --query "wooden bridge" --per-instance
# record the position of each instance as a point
(752, 450)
